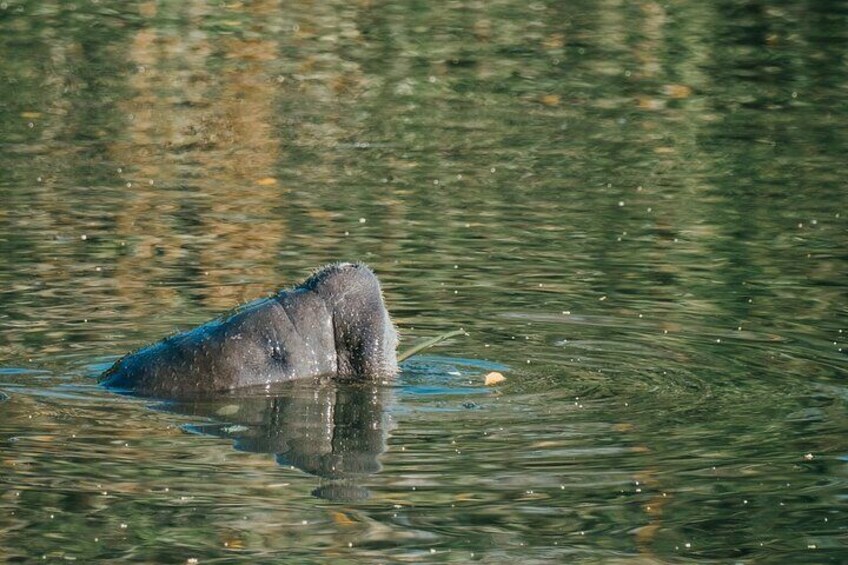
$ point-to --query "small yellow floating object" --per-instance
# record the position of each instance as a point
(266, 181)
(494, 378)
(227, 410)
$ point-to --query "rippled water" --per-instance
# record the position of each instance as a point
(636, 211)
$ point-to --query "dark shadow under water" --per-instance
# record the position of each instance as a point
(335, 431)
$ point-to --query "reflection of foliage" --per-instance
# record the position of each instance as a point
(511, 161)
(301, 122)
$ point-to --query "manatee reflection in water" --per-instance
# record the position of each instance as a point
(335, 431)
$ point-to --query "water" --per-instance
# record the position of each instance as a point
(637, 211)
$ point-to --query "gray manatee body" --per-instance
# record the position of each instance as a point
(334, 324)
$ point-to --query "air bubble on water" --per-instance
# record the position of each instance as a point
(492, 170)
(362, 220)
(30, 124)
(120, 170)
(129, 185)
(436, 182)
(83, 237)
(431, 78)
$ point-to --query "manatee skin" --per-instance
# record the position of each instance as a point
(335, 324)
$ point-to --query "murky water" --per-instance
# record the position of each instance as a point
(636, 210)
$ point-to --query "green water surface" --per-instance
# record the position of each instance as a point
(637, 210)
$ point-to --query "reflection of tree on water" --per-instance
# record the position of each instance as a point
(336, 431)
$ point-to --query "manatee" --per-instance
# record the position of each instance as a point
(335, 324)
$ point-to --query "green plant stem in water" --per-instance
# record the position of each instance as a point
(428, 343)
